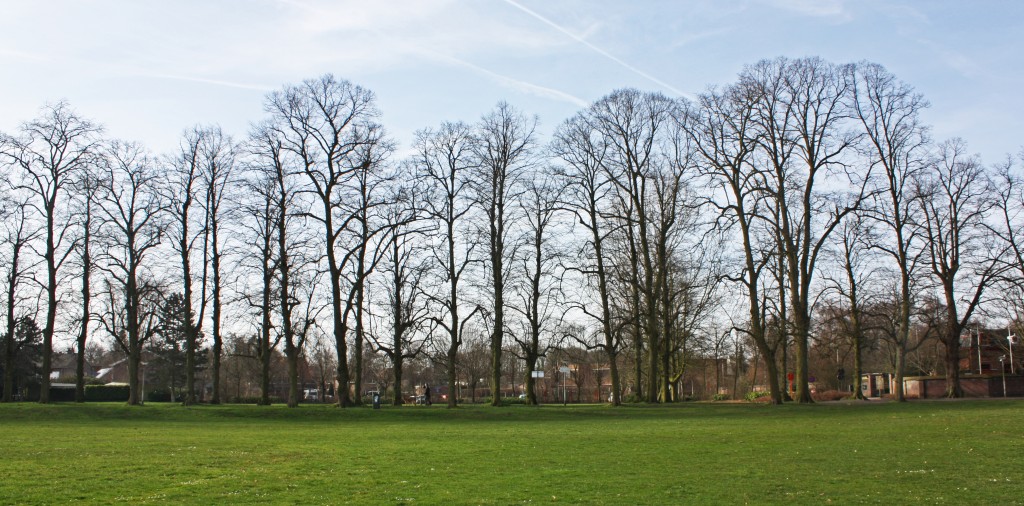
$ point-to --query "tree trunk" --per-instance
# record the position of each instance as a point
(530, 381)
(265, 350)
(858, 369)
(293, 378)
(10, 346)
(802, 331)
(653, 349)
(341, 377)
(396, 361)
(218, 341)
(8, 375)
(952, 342)
(51, 311)
(901, 365)
(452, 379)
(613, 371)
(496, 338)
(360, 289)
(86, 310)
(191, 332)
(134, 389)
(773, 378)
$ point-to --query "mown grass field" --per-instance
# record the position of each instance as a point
(968, 452)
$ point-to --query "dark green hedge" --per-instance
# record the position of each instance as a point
(62, 394)
(255, 400)
(106, 393)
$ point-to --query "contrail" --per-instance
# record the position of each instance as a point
(600, 51)
(523, 86)
(215, 82)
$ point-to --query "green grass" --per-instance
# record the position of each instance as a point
(876, 453)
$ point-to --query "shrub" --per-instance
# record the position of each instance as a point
(158, 396)
(720, 397)
(62, 394)
(505, 401)
(754, 396)
(106, 393)
(829, 395)
(255, 400)
(164, 396)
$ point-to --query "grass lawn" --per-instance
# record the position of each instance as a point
(967, 452)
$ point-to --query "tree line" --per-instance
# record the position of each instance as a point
(804, 197)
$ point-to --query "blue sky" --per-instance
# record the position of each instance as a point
(149, 69)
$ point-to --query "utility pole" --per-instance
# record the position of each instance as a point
(1003, 371)
(1009, 344)
(978, 329)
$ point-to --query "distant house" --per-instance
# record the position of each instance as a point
(982, 349)
(65, 365)
(985, 367)
(114, 373)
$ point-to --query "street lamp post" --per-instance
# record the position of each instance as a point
(1003, 371)
(1010, 338)
(565, 372)
(979, 350)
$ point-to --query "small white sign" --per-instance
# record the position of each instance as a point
(537, 374)
(563, 370)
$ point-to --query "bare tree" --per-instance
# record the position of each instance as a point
(725, 138)
(49, 152)
(19, 232)
(277, 219)
(322, 360)
(801, 111)
(88, 186)
(293, 343)
(266, 166)
(474, 359)
(298, 328)
(956, 200)
(889, 111)
(540, 292)
(218, 151)
(182, 192)
(685, 254)
(364, 245)
(1009, 206)
(504, 148)
(853, 241)
(323, 123)
(134, 222)
(586, 195)
(443, 160)
(405, 271)
(637, 130)
(1008, 227)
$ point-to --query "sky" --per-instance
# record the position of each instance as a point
(147, 69)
